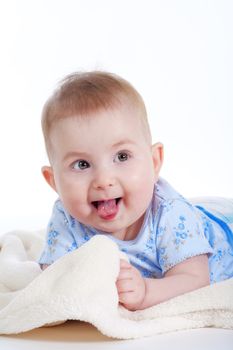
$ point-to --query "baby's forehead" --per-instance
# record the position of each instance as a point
(128, 112)
(105, 125)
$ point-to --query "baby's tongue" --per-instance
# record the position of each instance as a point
(106, 208)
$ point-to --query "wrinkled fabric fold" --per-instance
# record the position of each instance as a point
(81, 286)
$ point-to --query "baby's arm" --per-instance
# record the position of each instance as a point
(137, 293)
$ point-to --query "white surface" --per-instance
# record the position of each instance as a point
(177, 53)
(78, 335)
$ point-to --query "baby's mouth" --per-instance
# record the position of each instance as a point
(107, 208)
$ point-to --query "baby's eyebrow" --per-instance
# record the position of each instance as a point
(123, 142)
(74, 154)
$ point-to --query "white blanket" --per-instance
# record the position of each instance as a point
(81, 286)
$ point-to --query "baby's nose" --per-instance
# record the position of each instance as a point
(103, 180)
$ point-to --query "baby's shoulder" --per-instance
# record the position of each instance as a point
(60, 211)
(58, 208)
(165, 192)
(167, 201)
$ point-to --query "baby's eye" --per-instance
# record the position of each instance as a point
(122, 156)
(80, 165)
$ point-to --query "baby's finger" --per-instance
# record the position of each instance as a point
(124, 286)
(125, 274)
(125, 264)
(125, 297)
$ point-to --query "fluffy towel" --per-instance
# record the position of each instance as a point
(81, 286)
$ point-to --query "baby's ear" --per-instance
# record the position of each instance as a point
(157, 155)
(47, 172)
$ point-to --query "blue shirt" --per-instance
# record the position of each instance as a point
(173, 231)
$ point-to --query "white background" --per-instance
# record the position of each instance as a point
(178, 54)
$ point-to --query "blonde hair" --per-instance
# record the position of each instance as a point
(81, 94)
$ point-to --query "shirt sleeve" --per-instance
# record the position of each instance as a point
(59, 237)
(180, 235)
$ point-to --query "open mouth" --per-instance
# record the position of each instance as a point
(115, 201)
(107, 209)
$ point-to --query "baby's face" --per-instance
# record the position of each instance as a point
(104, 170)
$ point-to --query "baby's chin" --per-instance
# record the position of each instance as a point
(111, 229)
(106, 230)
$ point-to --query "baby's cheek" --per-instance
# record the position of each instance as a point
(76, 208)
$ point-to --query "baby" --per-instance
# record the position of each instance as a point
(105, 171)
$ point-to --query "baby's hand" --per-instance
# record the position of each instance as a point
(131, 286)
